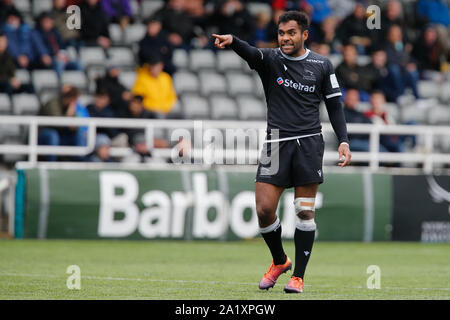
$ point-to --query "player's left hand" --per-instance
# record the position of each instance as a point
(344, 154)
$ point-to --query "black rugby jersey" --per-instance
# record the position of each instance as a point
(294, 88)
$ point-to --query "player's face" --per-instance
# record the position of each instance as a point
(291, 38)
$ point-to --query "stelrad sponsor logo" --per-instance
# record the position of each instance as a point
(295, 85)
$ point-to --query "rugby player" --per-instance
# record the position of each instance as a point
(295, 80)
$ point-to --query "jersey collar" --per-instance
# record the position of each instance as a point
(303, 56)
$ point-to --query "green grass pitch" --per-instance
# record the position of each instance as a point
(167, 270)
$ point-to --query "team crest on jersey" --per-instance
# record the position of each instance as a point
(309, 75)
(280, 81)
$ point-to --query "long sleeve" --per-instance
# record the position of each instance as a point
(253, 56)
(337, 118)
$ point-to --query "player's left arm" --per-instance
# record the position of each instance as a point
(332, 96)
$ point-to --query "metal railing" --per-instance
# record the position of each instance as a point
(428, 156)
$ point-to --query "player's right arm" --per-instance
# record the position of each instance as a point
(253, 56)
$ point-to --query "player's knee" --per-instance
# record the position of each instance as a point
(265, 214)
(304, 209)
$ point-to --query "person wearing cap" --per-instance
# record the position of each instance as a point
(102, 149)
(155, 86)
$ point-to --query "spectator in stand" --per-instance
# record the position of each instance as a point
(8, 81)
(318, 10)
(232, 17)
(25, 44)
(64, 105)
(353, 29)
(200, 17)
(118, 11)
(7, 7)
(101, 108)
(379, 115)
(401, 65)
(350, 74)
(177, 23)
(118, 94)
(261, 39)
(326, 33)
(379, 76)
(71, 37)
(429, 53)
(154, 42)
(155, 86)
(102, 149)
(272, 28)
(95, 30)
(358, 142)
(54, 45)
(341, 8)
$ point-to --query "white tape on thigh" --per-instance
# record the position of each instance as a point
(306, 225)
(304, 204)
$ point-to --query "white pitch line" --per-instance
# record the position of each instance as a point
(200, 281)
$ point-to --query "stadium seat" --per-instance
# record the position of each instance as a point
(223, 107)
(256, 7)
(75, 78)
(40, 6)
(127, 78)
(93, 73)
(195, 107)
(363, 60)
(121, 56)
(92, 56)
(15, 139)
(25, 104)
(444, 143)
(148, 8)
(413, 113)
(44, 79)
(202, 59)
(428, 89)
(212, 82)
(5, 104)
(46, 94)
(251, 108)
(393, 110)
(10, 130)
(24, 6)
(23, 75)
(445, 92)
(228, 60)
(185, 81)
(115, 33)
(135, 8)
(240, 83)
(335, 59)
(323, 113)
(439, 115)
(134, 33)
(180, 58)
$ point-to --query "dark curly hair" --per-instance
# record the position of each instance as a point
(301, 18)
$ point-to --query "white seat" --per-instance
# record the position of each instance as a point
(44, 79)
(134, 33)
(148, 8)
(212, 82)
(428, 89)
(240, 83)
(223, 107)
(180, 58)
(323, 113)
(25, 104)
(128, 79)
(195, 107)
(185, 81)
(75, 78)
(23, 75)
(23, 5)
(256, 7)
(335, 59)
(47, 94)
(121, 56)
(41, 6)
(259, 88)
(445, 92)
(92, 56)
(228, 60)
(251, 108)
(85, 99)
(393, 110)
(202, 59)
(115, 33)
(413, 113)
(5, 104)
(439, 115)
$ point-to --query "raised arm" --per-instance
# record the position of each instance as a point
(252, 55)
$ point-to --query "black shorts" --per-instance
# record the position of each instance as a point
(299, 162)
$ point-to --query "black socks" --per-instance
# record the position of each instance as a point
(304, 241)
(272, 237)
